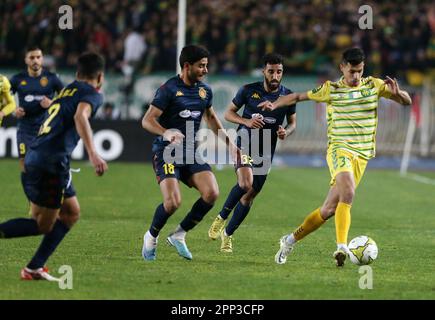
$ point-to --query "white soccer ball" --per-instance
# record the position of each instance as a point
(362, 250)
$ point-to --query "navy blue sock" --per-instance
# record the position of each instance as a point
(239, 215)
(159, 220)
(20, 227)
(235, 195)
(198, 211)
(49, 243)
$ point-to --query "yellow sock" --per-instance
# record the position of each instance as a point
(312, 222)
(342, 222)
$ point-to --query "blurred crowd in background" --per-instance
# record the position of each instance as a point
(311, 34)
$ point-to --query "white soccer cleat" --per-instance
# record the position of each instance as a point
(284, 250)
(149, 247)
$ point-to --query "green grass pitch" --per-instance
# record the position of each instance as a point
(104, 248)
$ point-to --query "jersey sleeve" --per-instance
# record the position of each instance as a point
(321, 93)
(14, 84)
(240, 99)
(383, 90)
(162, 98)
(58, 84)
(6, 94)
(210, 98)
(94, 99)
(291, 109)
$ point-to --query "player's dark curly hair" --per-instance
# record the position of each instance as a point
(272, 58)
(192, 54)
(354, 56)
(89, 65)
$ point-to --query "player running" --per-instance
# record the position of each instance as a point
(250, 183)
(47, 165)
(181, 103)
(351, 112)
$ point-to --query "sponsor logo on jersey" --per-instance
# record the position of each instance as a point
(43, 82)
(202, 93)
(195, 114)
(269, 120)
(185, 114)
(179, 94)
(257, 115)
(30, 98)
(23, 82)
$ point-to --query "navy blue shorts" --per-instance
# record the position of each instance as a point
(24, 139)
(181, 172)
(46, 189)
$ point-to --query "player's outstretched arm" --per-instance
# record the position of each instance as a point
(283, 101)
(151, 124)
(81, 119)
(231, 115)
(400, 96)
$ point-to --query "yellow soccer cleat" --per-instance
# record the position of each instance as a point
(216, 228)
(227, 243)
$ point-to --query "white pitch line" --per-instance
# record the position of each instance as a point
(419, 178)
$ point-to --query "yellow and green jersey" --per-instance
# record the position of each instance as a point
(7, 102)
(352, 114)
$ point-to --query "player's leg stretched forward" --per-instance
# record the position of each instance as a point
(338, 203)
(244, 184)
(45, 221)
(205, 182)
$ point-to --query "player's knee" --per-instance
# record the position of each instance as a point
(172, 204)
(45, 226)
(245, 184)
(211, 195)
(327, 211)
(347, 195)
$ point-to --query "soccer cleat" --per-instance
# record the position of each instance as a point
(227, 243)
(38, 274)
(149, 247)
(216, 228)
(180, 245)
(284, 250)
(340, 257)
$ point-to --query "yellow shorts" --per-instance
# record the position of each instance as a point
(340, 160)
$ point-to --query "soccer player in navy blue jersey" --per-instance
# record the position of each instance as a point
(36, 87)
(178, 104)
(252, 170)
(47, 165)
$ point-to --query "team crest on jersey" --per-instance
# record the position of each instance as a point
(365, 92)
(23, 82)
(179, 94)
(202, 93)
(255, 95)
(43, 81)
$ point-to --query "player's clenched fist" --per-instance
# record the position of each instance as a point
(173, 136)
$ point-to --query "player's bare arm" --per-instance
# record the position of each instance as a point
(398, 95)
(283, 101)
(231, 115)
(289, 128)
(45, 102)
(151, 124)
(81, 119)
(19, 112)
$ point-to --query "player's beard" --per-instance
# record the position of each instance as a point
(193, 77)
(36, 67)
(272, 85)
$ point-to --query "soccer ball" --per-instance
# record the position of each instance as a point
(362, 250)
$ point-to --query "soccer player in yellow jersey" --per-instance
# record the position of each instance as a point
(7, 102)
(351, 112)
